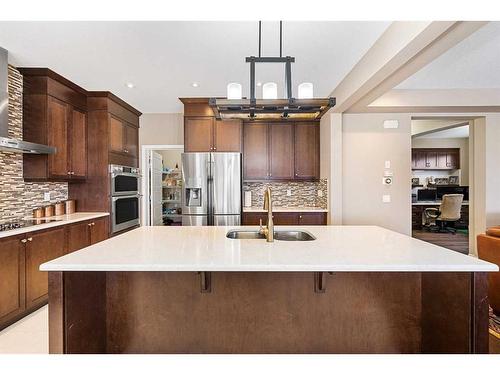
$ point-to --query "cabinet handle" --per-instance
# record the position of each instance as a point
(30, 239)
(93, 224)
(24, 240)
(427, 164)
(319, 282)
(89, 224)
(69, 172)
(205, 282)
(300, 216)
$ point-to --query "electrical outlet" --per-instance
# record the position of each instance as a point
(46, 197)
(288, 192)
(320, 193)
(386, 198)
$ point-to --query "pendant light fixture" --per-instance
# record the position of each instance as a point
(270, 107)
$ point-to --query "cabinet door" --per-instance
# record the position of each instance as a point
(253, 218)
(99, 230)
(78, 144)
(198, 134)
(431, 160)
(255, 151)
(58, 119)
(312, 218)
(227, 136)
(281, 165)
(131, 140)
(41, 247)
(11, 278)
(284, 218)
(307, 151)
(418, 161)
(78, 236)
(453, 159)
(442, 159)
(116, 135)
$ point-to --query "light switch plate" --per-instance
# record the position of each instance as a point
(46, 197)
(320, 193)
(387, 164)
(386, 198)
(288, 192)
(391, 124)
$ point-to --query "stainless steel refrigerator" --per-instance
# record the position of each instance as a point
(211, 188)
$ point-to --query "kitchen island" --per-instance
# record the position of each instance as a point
(354, 289)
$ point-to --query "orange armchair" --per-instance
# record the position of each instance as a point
(488, 248)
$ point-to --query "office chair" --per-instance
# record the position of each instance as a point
(448, 212)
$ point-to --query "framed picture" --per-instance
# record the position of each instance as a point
(415, 181)
(453, 180)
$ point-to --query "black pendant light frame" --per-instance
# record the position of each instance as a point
(290, 107)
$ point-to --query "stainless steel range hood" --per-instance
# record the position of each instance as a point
(7, 143)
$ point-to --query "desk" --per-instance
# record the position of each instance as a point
(418, 208)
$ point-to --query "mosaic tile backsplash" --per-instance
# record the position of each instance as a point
(19, 198)
(304, 193)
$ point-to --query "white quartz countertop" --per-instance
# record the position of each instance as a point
(336, 248)
(61, 220)
(285, 209)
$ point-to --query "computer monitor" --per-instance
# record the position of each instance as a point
(426, 194)
(442, 190)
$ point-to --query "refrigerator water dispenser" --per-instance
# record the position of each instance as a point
(193, 197)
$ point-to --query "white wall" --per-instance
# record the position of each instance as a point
(462, 143)
(366, 146)
(492, 169)
(161, 129)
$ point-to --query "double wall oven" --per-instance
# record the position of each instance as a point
(125, 197)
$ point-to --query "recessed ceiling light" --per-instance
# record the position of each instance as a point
(130, 85)
(195, 84)
(259, 84)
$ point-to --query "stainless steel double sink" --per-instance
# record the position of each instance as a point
(280, 235)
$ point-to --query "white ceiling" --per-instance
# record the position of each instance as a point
(472, 64)
(163, 59)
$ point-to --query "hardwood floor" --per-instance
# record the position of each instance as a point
(458, 242)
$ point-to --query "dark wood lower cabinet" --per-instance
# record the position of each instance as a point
(12, 289)
(41, 247)
(23, 287)
(268, 312)
(286, 218)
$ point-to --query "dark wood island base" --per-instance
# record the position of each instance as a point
(268, 312)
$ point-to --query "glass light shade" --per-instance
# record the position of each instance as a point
(234, 90)
(269, 90)
(306, 90)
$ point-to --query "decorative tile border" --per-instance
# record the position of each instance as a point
(19, 198)
(304, 193)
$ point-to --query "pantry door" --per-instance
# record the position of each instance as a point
(155, 191)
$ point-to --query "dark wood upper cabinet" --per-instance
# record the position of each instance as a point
(41, 247)
(54, 114)
(116, 135)
(78, 142)
(227, 136)
(281, 159)
(255, 151)
(12, 278)
(435, 158)
(306, 150)
(198, 134)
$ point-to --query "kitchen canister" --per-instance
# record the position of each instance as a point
(38, 212)
(70, 206)
(60, 208)
(48, 211)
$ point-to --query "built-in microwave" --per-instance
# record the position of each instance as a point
(124, 180)
(125, 212)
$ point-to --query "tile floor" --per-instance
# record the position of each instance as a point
(29, 335)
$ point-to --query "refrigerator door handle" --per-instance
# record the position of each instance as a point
(210, 192)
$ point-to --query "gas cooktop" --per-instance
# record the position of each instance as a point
(21, 223)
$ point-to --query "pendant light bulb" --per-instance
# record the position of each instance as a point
(269, 90)
(234, 90)
(305, 90)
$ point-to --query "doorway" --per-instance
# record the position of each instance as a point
(161, 185)
(442, 159)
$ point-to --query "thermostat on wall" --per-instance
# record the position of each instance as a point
(387, 180)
